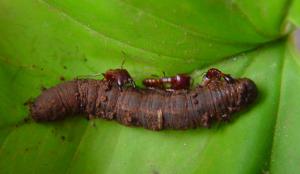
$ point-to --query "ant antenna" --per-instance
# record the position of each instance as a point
(203, 73)
(192, 82)
(124, 59)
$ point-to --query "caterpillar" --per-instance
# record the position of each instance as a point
(215, 100)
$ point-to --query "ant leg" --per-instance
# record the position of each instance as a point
(120, 87)
(132, 83)
(170, 89)
(205, 80)
(228, 78)
(154, 75)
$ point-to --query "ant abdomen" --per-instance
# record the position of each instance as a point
(177, 82)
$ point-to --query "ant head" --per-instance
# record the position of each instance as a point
(214, 73)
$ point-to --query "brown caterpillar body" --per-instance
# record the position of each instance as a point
(152, 109)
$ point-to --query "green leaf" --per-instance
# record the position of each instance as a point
(294, 14)
(285, 156)
(44, 40)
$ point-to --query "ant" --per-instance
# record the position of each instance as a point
(177, 82)
(119, 76)
(215, 74)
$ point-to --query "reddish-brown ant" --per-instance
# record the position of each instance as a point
(177, 82)
(119, 76)
(215, 74)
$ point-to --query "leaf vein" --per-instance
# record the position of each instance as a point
(203, 36)
(103, 35)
